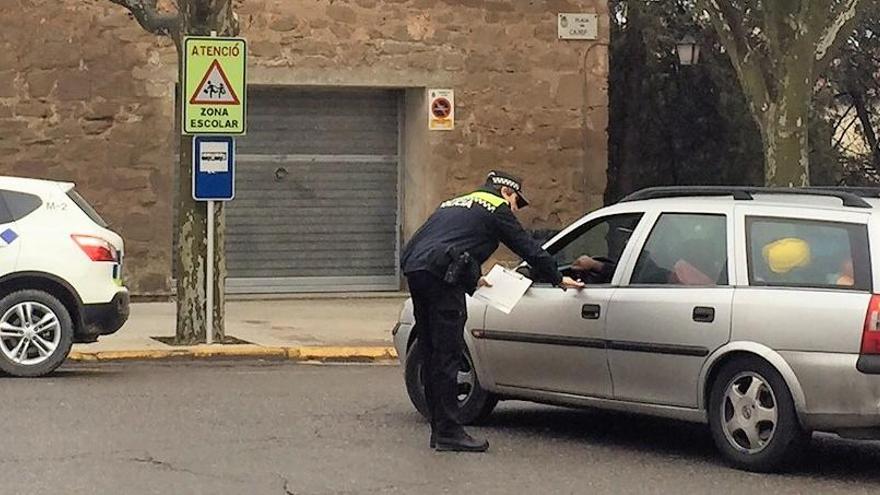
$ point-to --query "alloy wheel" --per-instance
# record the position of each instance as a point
(30, 333)
(749, 412)
(467, 379)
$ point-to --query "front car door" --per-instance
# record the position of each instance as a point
(554, 340)
(675, 308)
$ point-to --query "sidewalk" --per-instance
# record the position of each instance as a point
(337, 328)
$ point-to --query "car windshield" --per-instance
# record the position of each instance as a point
(86, 208)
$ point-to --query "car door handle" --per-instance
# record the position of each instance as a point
(703, 314)
(591, 311)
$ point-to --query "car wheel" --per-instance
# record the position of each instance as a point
(753, 418)
(413, 376)
(475, 404)
(36, 333)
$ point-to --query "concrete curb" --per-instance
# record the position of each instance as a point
(340, 354)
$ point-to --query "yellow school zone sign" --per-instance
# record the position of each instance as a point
(214, 90)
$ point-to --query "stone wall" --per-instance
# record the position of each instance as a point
(86, 96)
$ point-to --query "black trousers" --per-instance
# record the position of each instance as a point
(440, 314)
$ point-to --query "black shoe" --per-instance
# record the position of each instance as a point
(459, 442)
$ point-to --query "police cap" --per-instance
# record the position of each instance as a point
(500, 179)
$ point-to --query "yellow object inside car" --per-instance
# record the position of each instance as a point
(785, 255)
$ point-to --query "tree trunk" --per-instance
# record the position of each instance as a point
(785, 131)
(786, 155)
(192, 259)
(191, 254)
(200, 18)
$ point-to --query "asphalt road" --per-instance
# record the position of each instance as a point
(277, 428)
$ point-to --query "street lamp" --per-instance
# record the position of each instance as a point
(688, 50)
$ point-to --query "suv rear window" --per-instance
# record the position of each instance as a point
(86, 208)
(21, 204)
(804, 253)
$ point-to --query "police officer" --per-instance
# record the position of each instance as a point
(442, 263)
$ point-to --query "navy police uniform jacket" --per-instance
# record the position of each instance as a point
(475, 223)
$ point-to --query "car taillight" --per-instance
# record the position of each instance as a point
(96, 249)
(871, 333)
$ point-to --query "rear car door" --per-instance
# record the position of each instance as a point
(809, 284)
(554, 340)
(676, 307)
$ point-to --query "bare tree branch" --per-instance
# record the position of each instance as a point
(147, 15)
(844, 132)
(867, 127)
(807, 8)
(843, 19)
(840, 120)
(728, 23)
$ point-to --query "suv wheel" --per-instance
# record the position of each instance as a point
(474, 403)
(753, 418)
(36, 333)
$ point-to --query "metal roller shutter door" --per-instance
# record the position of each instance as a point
(316, 205)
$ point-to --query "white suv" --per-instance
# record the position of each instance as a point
(60, 275)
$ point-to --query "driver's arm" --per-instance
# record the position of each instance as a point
(604, 269)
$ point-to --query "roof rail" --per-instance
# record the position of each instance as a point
(862, 192)
(851, 199)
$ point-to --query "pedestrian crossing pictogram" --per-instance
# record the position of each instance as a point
(214, 88)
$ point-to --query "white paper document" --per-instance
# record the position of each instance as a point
(507, 289)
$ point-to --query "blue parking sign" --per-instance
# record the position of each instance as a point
(213, 168)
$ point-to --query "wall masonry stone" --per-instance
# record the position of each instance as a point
(87, 96)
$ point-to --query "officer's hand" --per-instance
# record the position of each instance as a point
(570, 283)
(483, 282)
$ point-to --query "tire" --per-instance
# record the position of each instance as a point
(25, 349)
(475, 403)
(413, 377)
(753, 418)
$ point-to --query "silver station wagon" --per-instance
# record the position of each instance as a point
(750, 309)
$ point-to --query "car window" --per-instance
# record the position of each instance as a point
(86, 208)
(801, 253)
(684, 249)
(603, 238)
(5, 214)
(21, 204)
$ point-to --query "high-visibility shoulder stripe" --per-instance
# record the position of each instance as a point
(486, 200)
(489, 198)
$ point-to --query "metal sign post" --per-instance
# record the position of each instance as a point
(209, 289)
(213, 180)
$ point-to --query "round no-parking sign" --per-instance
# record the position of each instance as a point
(441, 109)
